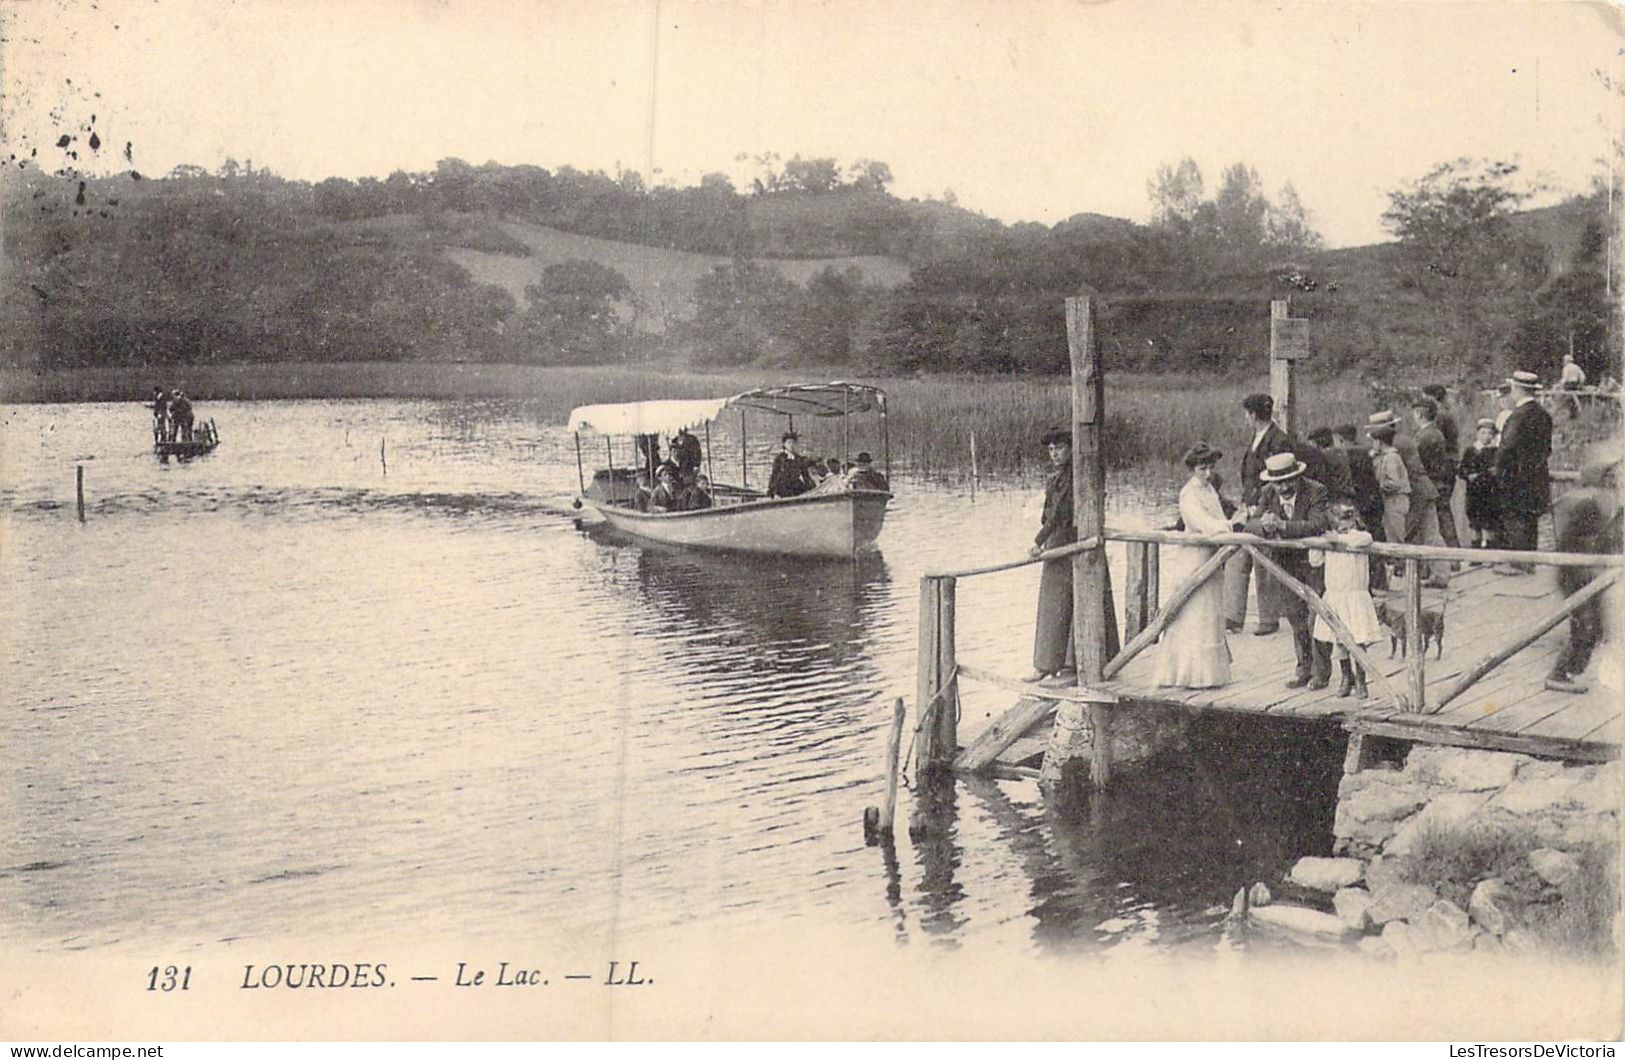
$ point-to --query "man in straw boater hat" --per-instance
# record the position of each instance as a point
(1521, 468)
(1422, 518)
(1290, 505)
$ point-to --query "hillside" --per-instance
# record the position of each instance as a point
(662, 279)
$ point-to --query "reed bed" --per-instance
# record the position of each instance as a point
(1150, 419)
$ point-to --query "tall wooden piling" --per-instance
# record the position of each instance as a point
(1289, 344)
(936, 698)
(1415, 652)
(1084, 729)
(79, 487)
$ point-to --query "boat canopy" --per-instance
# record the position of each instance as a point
(667, 416)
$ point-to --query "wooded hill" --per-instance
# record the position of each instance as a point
(518, 264)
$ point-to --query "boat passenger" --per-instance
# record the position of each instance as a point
(666, 495)
(696, 496)
(180, 414)
(685, 451)
(160, 414)
(642, 492)
(790, 476)
(863, 475)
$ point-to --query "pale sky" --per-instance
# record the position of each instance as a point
(1027, 110)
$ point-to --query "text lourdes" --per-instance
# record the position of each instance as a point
(304, 976)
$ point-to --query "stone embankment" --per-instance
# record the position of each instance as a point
(1462, 850)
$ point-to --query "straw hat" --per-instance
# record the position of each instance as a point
(1388, 418)
(1524, 380)
(1280, 467)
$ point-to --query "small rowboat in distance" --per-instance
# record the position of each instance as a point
(838, 519)
(204, 440)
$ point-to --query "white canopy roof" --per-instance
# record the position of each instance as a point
(666, 416)
(647, 417)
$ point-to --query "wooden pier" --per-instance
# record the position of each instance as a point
(1484, 687)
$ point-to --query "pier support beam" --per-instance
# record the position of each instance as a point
(1082, 731)
(937, 697)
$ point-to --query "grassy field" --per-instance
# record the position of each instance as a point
(1150, 419)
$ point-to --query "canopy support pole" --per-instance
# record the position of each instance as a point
(609, 448)
(581, 474)
(710, 469)
(744, 452)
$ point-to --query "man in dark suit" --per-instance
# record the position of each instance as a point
(1521, 468)
(1291, 505)
(1336, 475)
(1267, 440)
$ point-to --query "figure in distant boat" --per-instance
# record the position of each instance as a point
(180, 416)
(1194, 653)
(863, 475)
(160, 414)
(790, 476)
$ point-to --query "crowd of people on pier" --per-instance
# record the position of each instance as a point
(1392, 479)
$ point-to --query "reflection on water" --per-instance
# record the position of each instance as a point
(363, 666)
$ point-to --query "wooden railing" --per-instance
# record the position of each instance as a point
(1147, 615)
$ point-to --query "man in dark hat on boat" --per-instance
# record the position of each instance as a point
(865, 477)
(790, 476)
(1290, 505)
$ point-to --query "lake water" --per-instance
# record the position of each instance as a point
(362, 667)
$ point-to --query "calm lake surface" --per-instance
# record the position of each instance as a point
(280, 689)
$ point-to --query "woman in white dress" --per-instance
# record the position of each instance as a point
(1193, 650)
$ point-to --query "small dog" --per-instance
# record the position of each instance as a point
(1392, 617)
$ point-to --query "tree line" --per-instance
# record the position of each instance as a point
(241, 264)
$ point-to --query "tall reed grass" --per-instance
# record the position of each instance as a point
(1150, 419)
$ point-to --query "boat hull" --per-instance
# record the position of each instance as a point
(829, 525)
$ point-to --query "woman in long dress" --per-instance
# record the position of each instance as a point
(1054, 659)
(1193, 650)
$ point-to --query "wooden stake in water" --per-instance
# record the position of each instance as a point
(383, 459)
(973, 473)
(79, 476)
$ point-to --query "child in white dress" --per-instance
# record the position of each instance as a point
(1348, 594)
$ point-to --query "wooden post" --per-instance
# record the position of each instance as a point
(936, 703)
(1135, 617)
(1072, 737)
(973, 474)
(878, 822)
(1153, 580)
(1289, 343)
(79, 483)
(1415, 665)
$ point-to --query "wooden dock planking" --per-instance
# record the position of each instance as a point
(1509, 709)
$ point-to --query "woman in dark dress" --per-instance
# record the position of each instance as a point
(1053, 654)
